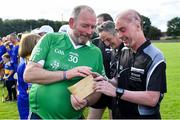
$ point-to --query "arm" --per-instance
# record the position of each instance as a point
(35, 73)
(148, 98)
(113, 81)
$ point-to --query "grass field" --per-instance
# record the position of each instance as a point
(170, 106)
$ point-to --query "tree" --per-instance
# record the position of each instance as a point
(146, 25)
(150, 32)
(173, 27)
(18, 25)
(154, 33)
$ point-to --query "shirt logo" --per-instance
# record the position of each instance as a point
(54, 64)
(58, 51)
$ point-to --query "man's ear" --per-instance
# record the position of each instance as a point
(71, 23)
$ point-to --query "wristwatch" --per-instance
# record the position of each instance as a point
(119, 92)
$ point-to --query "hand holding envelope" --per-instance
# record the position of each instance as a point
(83, 88)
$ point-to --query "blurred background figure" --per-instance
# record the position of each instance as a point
(27, 43)
(2, 51)
(97, 110)
(45, 29)
(8, 77)
(42, 30)
(12, 49)
(64, 28)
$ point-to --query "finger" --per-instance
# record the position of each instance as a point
(81, 75)
(86, 67)
(80, 103)
(75, 103)
(95, 74)
(99, 78)
(84, 71)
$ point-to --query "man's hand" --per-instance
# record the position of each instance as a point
(77, 103)
(104, 87)
(81, 71)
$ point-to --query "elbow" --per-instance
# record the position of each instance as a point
(153, 101)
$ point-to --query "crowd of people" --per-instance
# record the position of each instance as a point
(131, 71)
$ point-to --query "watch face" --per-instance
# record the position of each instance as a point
(119, 90)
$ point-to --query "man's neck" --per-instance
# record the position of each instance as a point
(73, 38)
(138, 44)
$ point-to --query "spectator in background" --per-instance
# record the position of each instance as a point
(27, 43)
(97, 110)
(45, 29)
(105, 49)
(13, 50)
(60, 60)
(2, 51)
(64, 28)
(8, 77)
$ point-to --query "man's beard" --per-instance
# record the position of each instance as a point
(82, 39)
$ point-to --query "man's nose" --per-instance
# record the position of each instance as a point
(90, 30)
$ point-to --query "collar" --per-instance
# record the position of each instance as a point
(77, 46)
(144, 45)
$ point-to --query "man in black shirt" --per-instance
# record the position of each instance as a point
(141, 86)
(97, 110)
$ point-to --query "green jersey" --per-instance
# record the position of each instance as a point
(56, 51)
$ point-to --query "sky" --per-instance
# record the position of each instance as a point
(158, 11)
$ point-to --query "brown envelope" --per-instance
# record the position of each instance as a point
(83, 88)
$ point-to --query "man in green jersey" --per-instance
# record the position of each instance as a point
(60, 60)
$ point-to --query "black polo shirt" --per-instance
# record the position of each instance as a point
(146, 71)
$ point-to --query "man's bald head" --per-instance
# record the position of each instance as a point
(130, 16)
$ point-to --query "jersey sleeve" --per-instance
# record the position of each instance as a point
(41, 50)
(157, 81)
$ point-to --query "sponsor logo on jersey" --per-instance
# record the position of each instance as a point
(58, 51)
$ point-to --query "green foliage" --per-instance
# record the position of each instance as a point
(170, 106)
(18, 25)
(173, 27)
(150, 32)
(154, 33)
(146, 23)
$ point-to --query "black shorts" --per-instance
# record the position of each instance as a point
(103, 102)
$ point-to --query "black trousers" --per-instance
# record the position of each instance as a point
(11, 88)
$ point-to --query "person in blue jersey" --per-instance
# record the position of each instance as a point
(8, 77)
(13, 50)
(27, 43)
(2, 51)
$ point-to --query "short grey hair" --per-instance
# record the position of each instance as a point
(107, 26)
(77, 10)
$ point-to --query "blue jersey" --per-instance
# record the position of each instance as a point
(7, 70)
(13, 52)
(2, 51)
(22, 86)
